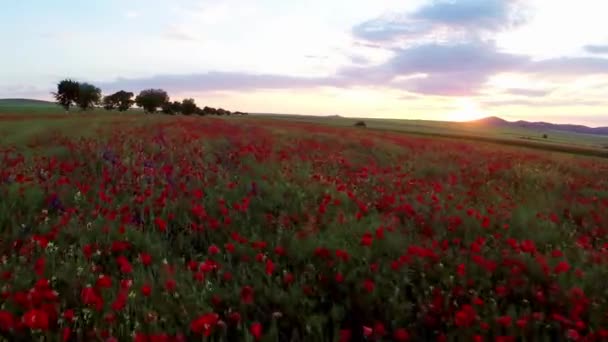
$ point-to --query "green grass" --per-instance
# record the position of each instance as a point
(588, 144)
(19, 131)
(27, 106)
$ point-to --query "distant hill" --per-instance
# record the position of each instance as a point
(25, 102)
(494, 121)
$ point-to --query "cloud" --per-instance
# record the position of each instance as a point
(480, 14)
(528, 92)
(438, 69)
(470, 16)
(216, 81)
(466, 56)
(537, 103)
(596, 48)
(568, 66)
(177, 33)
(458, 69)
(388, 29)
(358, 59)
(316, 57)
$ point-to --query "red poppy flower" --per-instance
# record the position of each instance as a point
(161, 225)
(36, 319)
(213, 250)
(401, 335)
(247, 295)
(256, 330)
(104, 282)
(145, 258)
(204, 324)
(7, 321)
(269, 267)
(146, 290)
(170, 285)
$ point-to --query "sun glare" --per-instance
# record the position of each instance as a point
(468, 110)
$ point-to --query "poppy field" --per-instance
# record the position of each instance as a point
(244, 229)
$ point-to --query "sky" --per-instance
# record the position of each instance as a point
(416, 59)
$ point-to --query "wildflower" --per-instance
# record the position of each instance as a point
(104, 282)
(7, 321)
(504, 321)
(561, 267)
(401, 335)
(269, 267)
(247, 295)
(146, 290)
(170, 285)
(145, 258)
(161, 224)
(256, 330)
(465, 317)
(204, 324)
(36, 319)
(367, 240)
(213, 250)
(369, 285)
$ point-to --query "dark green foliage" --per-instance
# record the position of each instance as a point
(188, 107)
(88, 96)
(67, 93)
(109, 102)
(121, 100)
(209, 111)
(176, 107)
(222, 111)
(151, 99)
(360, 124)
(166, 108)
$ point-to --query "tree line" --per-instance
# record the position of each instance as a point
(86, 96)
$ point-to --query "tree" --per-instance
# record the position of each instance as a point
(121, 100)
(151, 99)
(124, 100)
(176, 107)
(166, 108)
(88, 96)
(209, 111)
(109, 102)
(67, 93)
(188, 107)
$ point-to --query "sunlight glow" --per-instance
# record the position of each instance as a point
(468, 110)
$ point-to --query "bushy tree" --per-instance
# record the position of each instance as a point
(166, 108)
(124, 100)
(88, 96)
(67, 93)
(121, 100)
(176, 107)
(209, 111)
(109, 102)
(151, 99)
(189, 107)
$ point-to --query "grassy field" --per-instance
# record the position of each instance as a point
(53, 116)
(172, 228)
(519, 136)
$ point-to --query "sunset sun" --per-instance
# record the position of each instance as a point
(467, 110)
